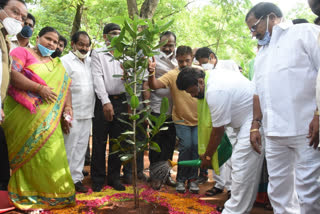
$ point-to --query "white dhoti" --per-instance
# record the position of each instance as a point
(76, 143)
(245, 174)
(294, 170)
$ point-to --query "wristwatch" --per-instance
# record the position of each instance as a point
(258, 121)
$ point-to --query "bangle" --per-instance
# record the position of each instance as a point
(254, 130)
(67, 107)
(316, 113)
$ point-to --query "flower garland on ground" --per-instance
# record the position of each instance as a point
(177, 203)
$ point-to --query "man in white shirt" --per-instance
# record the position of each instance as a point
(229, 97)
(78, 66)
(209, 61)
(286, 68)
(165, 62)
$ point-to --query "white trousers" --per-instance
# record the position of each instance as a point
(224, 179)
(76, 143)
(245, 174)
(294, 170)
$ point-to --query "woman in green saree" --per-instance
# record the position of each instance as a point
(38, 99)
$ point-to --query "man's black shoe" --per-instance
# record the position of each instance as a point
(80, 188)
(171, 182)
(85, 173)
(96, 187)
(117, 185)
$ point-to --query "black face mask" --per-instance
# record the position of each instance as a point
(57, 53)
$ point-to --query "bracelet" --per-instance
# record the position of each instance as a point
(68, 107)
(316, 113)
(254, 130)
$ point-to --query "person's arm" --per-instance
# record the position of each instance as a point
(255, 137)
(67, 110)
(99, 87)
(18, 80)
(219, 103)
(215, 139)
(154, 83)
(310, 35)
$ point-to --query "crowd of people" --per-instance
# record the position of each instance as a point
(51, 104)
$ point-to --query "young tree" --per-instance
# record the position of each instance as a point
(133, 47)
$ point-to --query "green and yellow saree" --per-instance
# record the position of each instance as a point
(40, 173)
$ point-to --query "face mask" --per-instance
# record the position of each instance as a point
(12, 26)
(80, 55)
(207, 66)
(26, 32)
(45, 51)
(57, 53)
(266, 38)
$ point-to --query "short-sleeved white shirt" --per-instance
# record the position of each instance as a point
(83, 98)
(230, 98)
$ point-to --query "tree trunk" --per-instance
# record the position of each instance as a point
(148, 8)
(132, 8)
(77, 17)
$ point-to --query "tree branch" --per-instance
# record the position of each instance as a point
(148, 8)
(177, 11)
(132, 8)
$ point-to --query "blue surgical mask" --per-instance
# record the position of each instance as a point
(26, 32)
(45, 51)
(266, 38)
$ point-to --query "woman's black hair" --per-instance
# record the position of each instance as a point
(47, 30)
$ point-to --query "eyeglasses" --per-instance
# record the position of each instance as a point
(254, 27)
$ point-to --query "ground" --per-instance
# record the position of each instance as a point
(118, 203)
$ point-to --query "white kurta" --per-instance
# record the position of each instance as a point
(83, 101)
(285, 80)
(230, 98)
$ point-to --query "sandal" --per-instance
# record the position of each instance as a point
(213, 191)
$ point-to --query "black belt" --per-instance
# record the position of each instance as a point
(117, 96)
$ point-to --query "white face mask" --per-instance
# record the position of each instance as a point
(12, 26)
(80, 55)
(208, 66)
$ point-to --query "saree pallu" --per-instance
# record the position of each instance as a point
(40, 173)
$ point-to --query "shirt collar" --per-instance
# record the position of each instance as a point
(284, 25)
